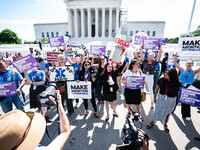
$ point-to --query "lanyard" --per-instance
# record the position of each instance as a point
(187, 74)
(109, 75)
(86, 76)
(166, 88)
(134, 73)
(149, 66)
(34, 78)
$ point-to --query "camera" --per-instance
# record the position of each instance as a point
(132, 136)
(93, 71)
(43, 97)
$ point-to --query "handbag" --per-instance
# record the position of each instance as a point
(143, 94)
(62, 89)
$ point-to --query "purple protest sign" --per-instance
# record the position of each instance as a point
(151, 44)
(97, 50)
(170, 61)
(134, 82)
(56, 41)
(189, 97)
(7, 89)
(25, 63)
(163, 41)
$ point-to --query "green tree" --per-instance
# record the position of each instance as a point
(173, 40)
(197, 31)
(9, 37)
(45, 40)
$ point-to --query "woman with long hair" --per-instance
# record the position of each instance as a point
(108, 80)
(64, 95)
(132, 96)
(86, 75)
(169, 86)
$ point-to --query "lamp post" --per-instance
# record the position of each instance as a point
(188, 31)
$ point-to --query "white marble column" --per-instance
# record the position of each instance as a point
(96, 22)
(82, 23)
(70, 30)
(76, 22)
(110, 23)
(89, 22)
(103, 21)
(117, 20)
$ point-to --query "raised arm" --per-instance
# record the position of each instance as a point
(176, 64)
(68, 59)
(196, 71)
(159, 53)
(141, 53)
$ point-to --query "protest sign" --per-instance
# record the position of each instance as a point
(118, 51)
(56, 41)
(138, 39)
(134, 82)
(189, 46)
(163, 41)
(25, 63)
(97, 50)
(52, 57)
(151, 44)
(8, 62)
(189, 97)
(122, 42)
(7, 89)
(79, 90)
(170, 61)
(61, 73)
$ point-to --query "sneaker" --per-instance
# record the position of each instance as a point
(188, 118)
(48, 120)
(197, 139)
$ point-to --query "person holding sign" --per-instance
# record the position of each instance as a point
(62, 86)
(132, 96)
(108, 80)
(186, 77)
(87, 74)
(149, 66)
(7, 75)
(168, 87)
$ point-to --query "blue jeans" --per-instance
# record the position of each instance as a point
(18, 101)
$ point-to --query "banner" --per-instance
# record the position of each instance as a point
(79, 90)
(189, 46)
(7, 89)
(97, 50)
(163, 41)
(189, 97)
(118, 51)
(25, 63)
(122, 42)
(138, 39)
(56, 41)
(170, 61)
(52, 57)
(151, 44)
(61, 73)
(134, 82)
(79, 46)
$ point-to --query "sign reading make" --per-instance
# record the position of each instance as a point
(97, 50)
(189, 46)
(134, 82)
(25, 63)
(61, 73)
(79, 90)
(56, 41)
(7, 89)
(189, 97)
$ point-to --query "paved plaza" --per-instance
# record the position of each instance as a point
(96, 134)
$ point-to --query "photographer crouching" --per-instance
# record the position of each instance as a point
(22, 131)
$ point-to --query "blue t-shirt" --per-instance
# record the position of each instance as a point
(37, 76)
(9, 76)
(47, 65)
(77, 70)
(157, 66)
(189, 76)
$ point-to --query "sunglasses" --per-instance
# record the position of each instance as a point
(189, 63)
(86, 64)
(30, 115)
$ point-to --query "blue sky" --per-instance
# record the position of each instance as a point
(20, 15)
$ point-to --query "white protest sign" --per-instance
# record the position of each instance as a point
(79, 90)
(118, 52)
(138, 39)
(189, 46)
(61, 73)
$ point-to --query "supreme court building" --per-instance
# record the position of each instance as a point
(97, 20)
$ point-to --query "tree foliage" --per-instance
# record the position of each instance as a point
(45, 40)
(197, 31)
(31, 42)
(9, 37)
(173, 40)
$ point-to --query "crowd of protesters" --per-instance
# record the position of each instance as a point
(163, 83)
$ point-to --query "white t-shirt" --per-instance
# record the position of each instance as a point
(130, 73)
